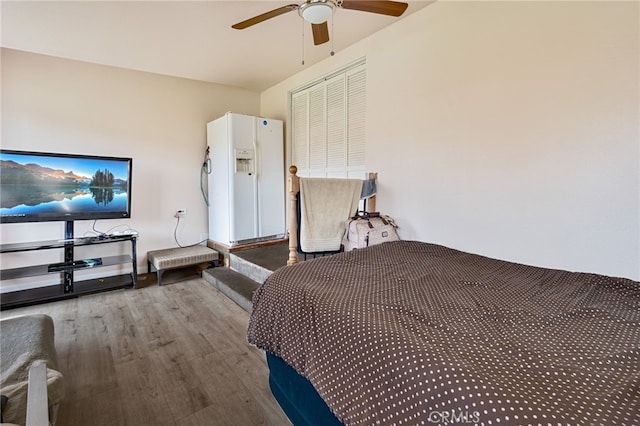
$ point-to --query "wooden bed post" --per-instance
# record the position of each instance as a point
(371, 202)
(294, 188)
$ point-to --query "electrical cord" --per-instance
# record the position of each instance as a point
(206, 168)
(175, 236)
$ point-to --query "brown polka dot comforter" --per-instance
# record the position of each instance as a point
(408, 333)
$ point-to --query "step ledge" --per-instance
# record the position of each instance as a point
(253, 271)
(232, 284)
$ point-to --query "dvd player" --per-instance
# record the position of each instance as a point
(76, 264)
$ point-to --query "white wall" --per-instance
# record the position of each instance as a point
(58, 105)
(508, 129)
(505, 129)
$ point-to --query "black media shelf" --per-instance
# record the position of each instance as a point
(36, 270)
(62, 243)
(32, 296)
(67, 287)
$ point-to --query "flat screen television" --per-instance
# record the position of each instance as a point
(39, 186)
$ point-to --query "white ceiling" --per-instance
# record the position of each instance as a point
(190, 39)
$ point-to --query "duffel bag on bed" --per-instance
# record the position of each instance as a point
(367, 229)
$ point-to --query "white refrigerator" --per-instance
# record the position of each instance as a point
(246, 186)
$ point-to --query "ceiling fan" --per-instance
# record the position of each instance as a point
(317, 12)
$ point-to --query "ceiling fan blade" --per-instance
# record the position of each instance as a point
(263, 17)
(320, 33)
(383, 7)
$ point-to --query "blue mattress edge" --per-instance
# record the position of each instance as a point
(296, 395)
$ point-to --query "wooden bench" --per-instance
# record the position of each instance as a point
(179, 257)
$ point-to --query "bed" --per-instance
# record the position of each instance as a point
(408, 332)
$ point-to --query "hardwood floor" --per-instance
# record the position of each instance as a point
(170, 355)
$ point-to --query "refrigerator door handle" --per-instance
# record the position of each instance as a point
(256, 184)
(258, 159)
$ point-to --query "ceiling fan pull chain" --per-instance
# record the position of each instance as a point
(303, 41)
(333, 36)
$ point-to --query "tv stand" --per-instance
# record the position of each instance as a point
(67, 287)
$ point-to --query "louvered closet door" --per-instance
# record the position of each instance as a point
(336, 127)
(317, 131)
(300, 132)
(328, 126)
(356, 97)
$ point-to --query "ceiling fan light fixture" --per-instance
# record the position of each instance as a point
(316, 11)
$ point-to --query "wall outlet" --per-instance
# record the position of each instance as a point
(180, 212)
